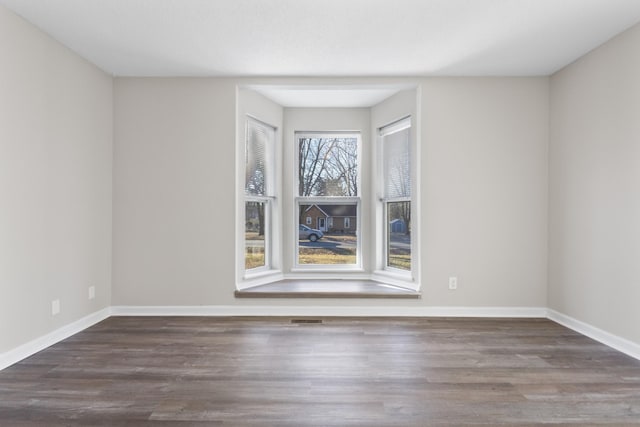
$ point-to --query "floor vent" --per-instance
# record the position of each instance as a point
(306, 320)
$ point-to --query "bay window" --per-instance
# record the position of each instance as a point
(259, 194)
(327, 200)
(328, 196)
(396, 194)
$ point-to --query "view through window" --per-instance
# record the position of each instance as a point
(328, 199)
(259, 194)
(397, 194)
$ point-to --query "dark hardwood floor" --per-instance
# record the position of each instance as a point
(196, 371)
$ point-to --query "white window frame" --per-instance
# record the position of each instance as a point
(327, 200)
(383, 268)
(269, 199)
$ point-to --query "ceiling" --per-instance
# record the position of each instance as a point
(328, 96)
(330, 37)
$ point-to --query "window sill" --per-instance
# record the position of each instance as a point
(395, 278)
(324, 270)
(260, 278)
(327, 288)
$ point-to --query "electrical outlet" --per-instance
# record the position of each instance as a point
(453, 283)
(92, 292)
(55, 307)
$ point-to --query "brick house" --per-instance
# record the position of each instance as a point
(337, 219)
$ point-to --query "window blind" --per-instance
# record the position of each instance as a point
(397, 163)
(258, 137)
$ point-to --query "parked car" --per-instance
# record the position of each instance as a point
(312, 234)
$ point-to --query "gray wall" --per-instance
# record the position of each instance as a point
(484, 192)
(594, 251)
(174, 198)
(55, 183)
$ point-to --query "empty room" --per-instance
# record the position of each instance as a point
(319, 213)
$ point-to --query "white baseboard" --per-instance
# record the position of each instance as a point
(621, 344)
(328, 311)
(523, 312)
(25, 350)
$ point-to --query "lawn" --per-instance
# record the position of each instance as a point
(253, 253)
(399, 255)
(253, 259)
(345, 254)
(401, 261)
(326, 256)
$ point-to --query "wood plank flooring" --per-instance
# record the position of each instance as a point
(201, 371)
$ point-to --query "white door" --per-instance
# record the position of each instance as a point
(322, 226)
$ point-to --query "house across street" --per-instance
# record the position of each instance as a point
(331, 218)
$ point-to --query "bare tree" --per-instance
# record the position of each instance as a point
(398, 181)
(327, 167)
(401, 210)
(255, 211)
(344, 167)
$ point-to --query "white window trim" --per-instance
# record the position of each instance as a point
(271, 270)
(325, 270)
(397, 276)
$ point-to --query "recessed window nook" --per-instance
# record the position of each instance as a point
(327, 192)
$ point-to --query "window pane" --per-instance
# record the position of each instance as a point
(254, 235)
(328, 166)
(397, 172)
(331, 237)
(259, 137)
(399, 235)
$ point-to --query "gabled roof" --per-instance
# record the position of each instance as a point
(319, 208)
(332, 210)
